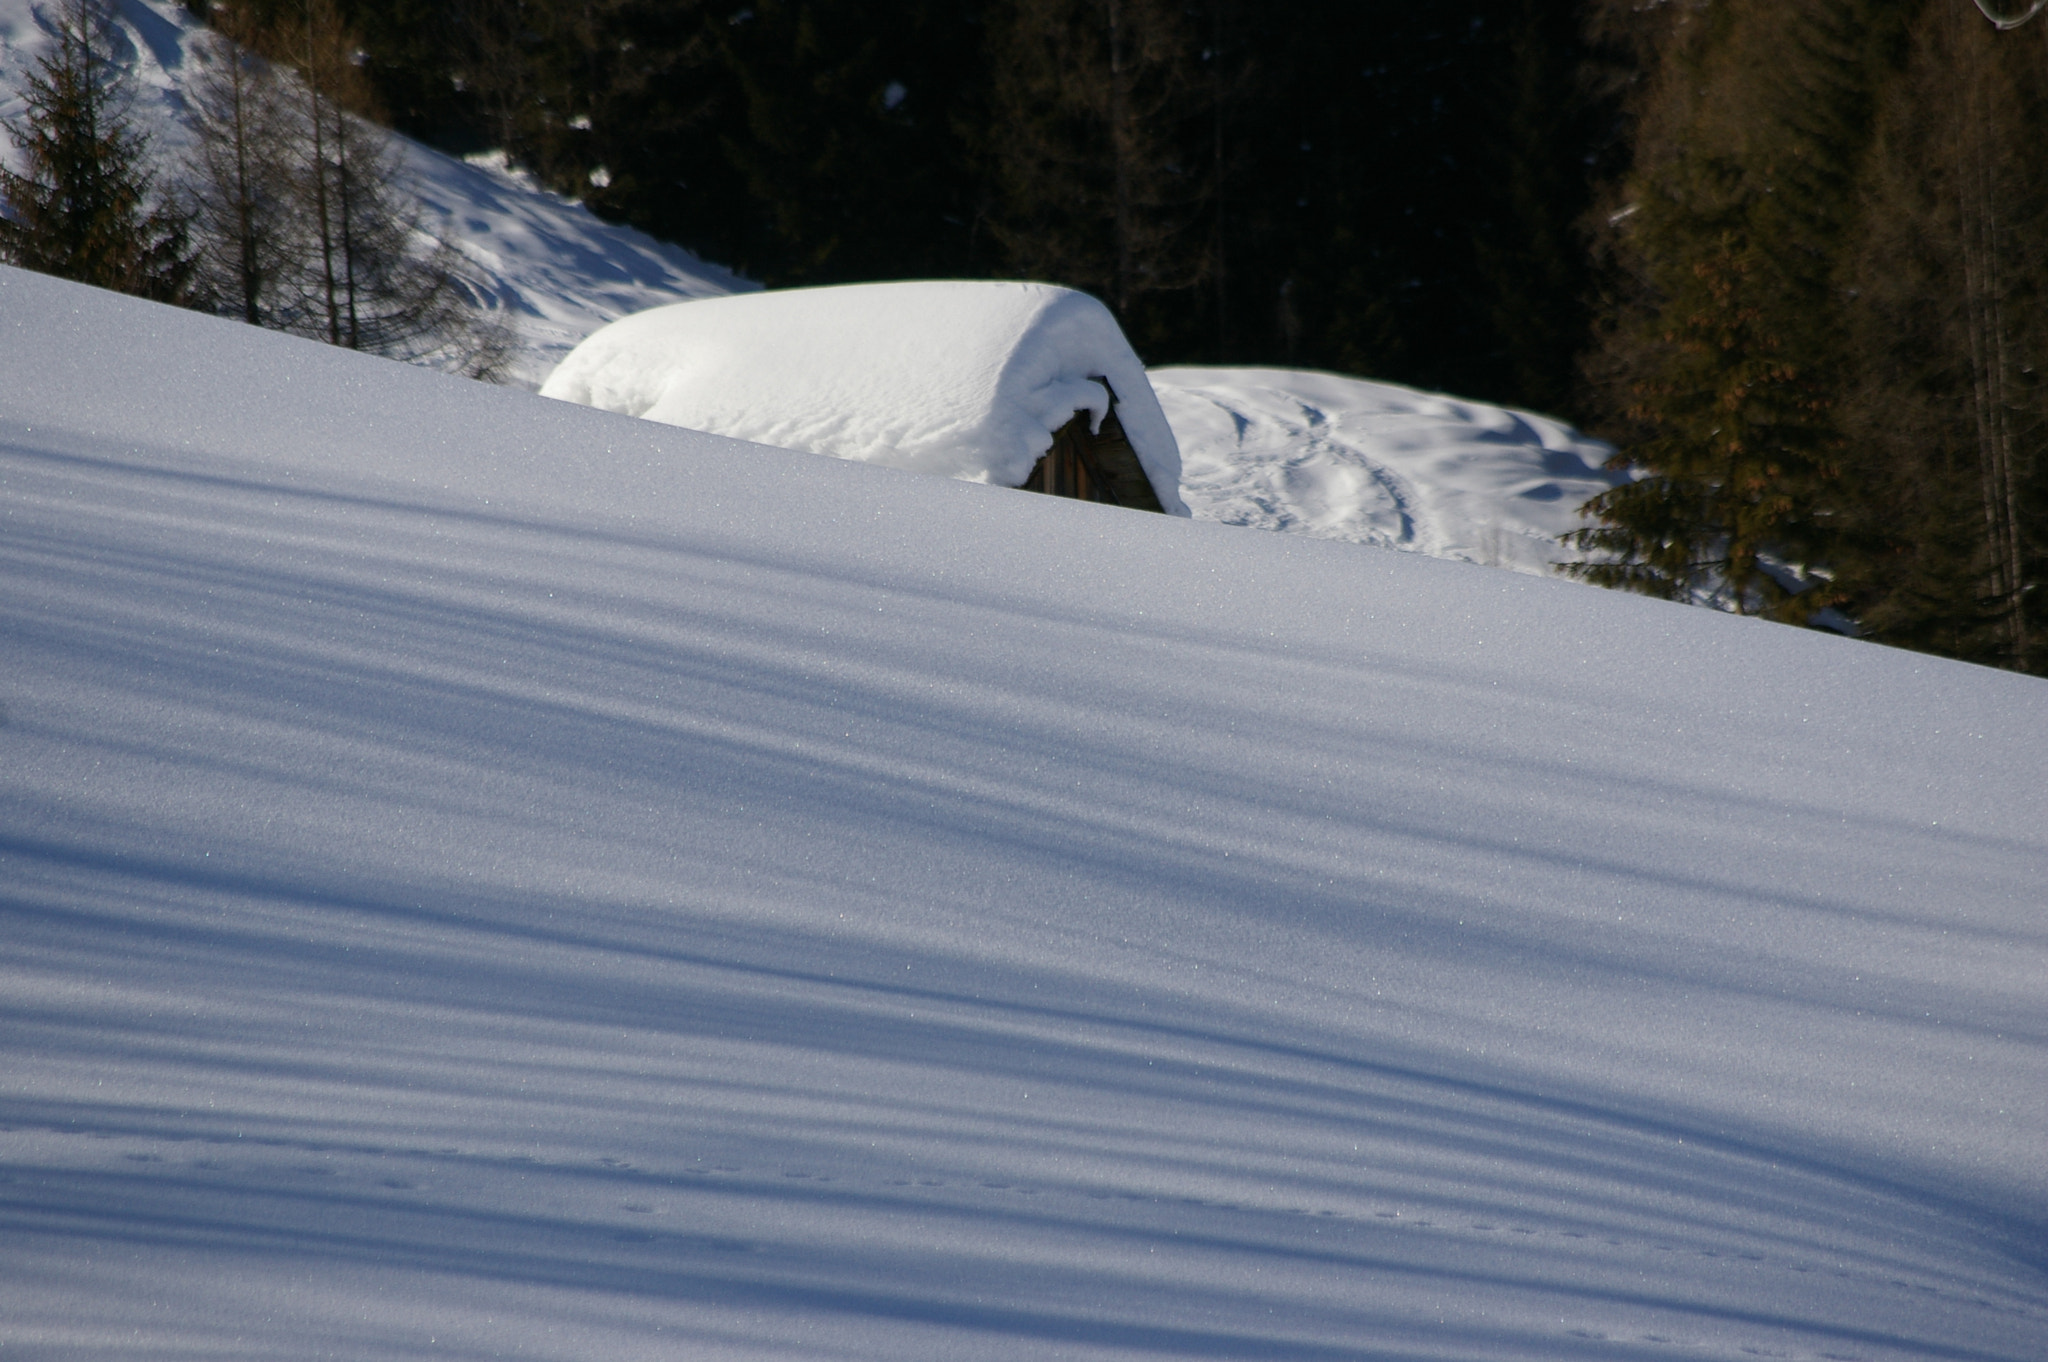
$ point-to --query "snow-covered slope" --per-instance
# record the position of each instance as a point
(482, 877)
(1374, 463)
(547, 267)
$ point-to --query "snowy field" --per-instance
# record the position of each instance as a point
(486, 878)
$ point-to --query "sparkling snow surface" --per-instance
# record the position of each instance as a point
(486, 878)
(960, 378)
(1375, 463)
(546, 267)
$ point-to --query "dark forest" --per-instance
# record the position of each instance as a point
(1392, 189)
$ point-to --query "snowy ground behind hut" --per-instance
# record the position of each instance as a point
(1377, 463)
(482, 877)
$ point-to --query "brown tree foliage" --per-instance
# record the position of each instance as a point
(1948, 288)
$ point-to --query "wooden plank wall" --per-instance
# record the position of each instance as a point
(1095, 465)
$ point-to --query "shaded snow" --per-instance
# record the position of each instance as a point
(482, 877)
(1375, 463)
(958, 378)
(548, 267)
(545, 266)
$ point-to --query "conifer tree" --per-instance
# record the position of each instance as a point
(1721, 355)
(1388, 184)
(1530, 254)
(1099, 147)
(842, 134)
(82, 208)
(367, 277)
(1950, 327)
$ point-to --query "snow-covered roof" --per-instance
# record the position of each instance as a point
(961, 378)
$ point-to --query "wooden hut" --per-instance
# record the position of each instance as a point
(1094, 465)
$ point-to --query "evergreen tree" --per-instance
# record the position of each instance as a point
(82, 208)
(1530, 254)
(1098, 148)
(1721, 355)
(1370, 185)
(843, 136)
(1950, 327)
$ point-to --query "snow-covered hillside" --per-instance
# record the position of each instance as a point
(482, 877)
(547, 267)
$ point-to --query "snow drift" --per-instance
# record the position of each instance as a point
(482, 877)
(1377, 463)
(963, 379)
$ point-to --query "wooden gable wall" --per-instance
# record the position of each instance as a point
(1097, 465)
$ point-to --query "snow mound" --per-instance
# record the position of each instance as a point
(545, 266)
(960, 378)
(1375, 463)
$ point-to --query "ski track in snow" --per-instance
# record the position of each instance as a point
(483, 877)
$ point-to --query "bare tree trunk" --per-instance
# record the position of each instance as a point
(1216, 250)
(323, 213)
(1977, 146)
(231, 173)
(1121, 151)
(345, 197)
(247, 229)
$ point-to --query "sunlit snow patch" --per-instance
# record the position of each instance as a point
(1375, 463)
(960, 378)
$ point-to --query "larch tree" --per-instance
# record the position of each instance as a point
(83, 206)
(237, 191)
(1720, 352)
(1949, 321)
(368, 277)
